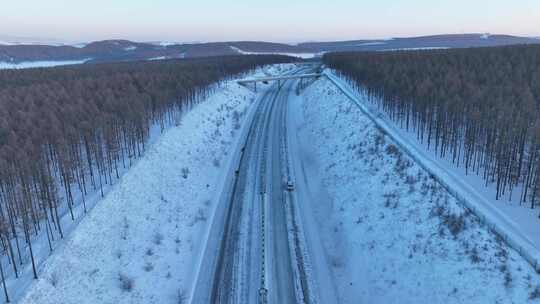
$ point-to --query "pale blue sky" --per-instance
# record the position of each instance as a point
(272, 20)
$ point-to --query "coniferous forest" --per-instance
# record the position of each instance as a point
(478, 107)
(66, 131)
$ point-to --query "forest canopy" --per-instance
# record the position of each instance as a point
(478, 107)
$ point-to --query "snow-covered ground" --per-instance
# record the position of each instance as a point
(158, 58)
(371, 43)
(79, 45)
(391, 232)
(181, 55)
(516, 223)
(167, 43)
(299, 55)
(421, 48)
(141, 242)
(38, 64)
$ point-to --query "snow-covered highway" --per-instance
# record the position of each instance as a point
(260, 255)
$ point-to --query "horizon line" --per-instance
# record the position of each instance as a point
(59, 41)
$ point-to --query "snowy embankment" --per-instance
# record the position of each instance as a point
(391, 232)
(515, 223)
(140, 244)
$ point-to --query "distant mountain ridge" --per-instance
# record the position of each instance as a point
(125, 50)
(434, 41)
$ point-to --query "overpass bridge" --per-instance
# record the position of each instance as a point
(277, 78)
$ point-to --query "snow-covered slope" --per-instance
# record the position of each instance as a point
(392, 233)
(39, 64)
(141, 242)
(299, 55)
(515, 223)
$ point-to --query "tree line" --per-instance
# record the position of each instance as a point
(66, 132)
(478, 107)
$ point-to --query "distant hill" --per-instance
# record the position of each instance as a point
(435, 41)
(125, 50)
